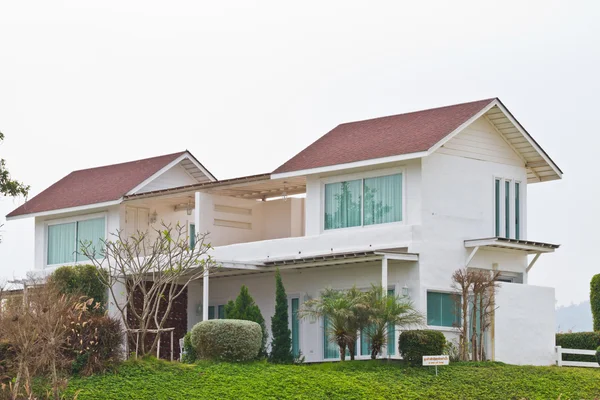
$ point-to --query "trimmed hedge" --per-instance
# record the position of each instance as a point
(595, 301)
(415, 344)
(578, 340)
(227, 339)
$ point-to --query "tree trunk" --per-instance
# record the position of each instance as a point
(352, 348)
(342, 353)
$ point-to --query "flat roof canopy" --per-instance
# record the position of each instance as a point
(526, 246)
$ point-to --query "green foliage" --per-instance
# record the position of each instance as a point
(598, 355)
(227, 339)
(281, 346)
(161, 380)
(8, 186)
(190, 355)
(82, 280)
(415, 344)
(595, 301)
(578, 340)
(245, 308)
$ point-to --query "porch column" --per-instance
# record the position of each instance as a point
(205, 276)
(384, 275)
(384, 287)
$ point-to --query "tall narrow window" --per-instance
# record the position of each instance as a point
(507, 208)
(295, 328)
(497, 206)
(192, 236)
(391, 343)
(517, 210)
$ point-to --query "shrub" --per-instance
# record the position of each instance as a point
(598, 355)
(281, 346)
(245, 308)
(595, 301)
(415, 344)
(227, 339)
(578, 340)
(81, 280)
(189, 356)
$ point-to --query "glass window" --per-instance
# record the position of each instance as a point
(65, 240)
(382, 199)
(62, 242)
(295, 328)
(211, 312)
(507, 208)
(342, 204)
(192, 236)
(517, 211)
(497, 206)
(221, 311)
(391, 333)
(442, 310)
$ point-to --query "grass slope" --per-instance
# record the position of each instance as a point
(152, 379)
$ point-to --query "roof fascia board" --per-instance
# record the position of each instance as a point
(462, 127)
(356, 164)
(201, 167)
(66, 210)
(528, 137)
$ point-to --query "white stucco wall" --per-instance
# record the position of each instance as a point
(525, 324)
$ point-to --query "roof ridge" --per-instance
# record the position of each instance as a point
(420, 111)
(130, 162)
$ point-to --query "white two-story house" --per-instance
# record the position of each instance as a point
(402, 201)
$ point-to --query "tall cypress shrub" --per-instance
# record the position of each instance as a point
(281, 346)
(595, 301)
(245, 308)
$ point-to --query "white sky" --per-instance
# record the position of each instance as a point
(245, 86)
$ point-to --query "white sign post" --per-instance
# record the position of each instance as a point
(429, 361)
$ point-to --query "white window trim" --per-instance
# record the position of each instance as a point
(511, 204)
(515, 182)
(362, 176)
(68, 220)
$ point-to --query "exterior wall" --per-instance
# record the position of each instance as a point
(524, 325)
(304, 284)
(112, 224)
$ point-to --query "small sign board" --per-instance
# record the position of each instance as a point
(430, 361)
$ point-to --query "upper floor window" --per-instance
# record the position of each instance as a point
(366, 201)
(507, 213)
(65, 240)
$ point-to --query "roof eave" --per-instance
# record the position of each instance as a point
(85, 207)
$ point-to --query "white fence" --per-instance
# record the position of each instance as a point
(559, 361)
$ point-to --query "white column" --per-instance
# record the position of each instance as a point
(205, 276)
(384, 286)
(384, 275)
(205, 296)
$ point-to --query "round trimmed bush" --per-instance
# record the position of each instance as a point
(415, 344)
(227, 339)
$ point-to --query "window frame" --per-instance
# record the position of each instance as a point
(67, 220)
(440, 327)
(362, 176)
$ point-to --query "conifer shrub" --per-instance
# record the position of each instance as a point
(245, 308)
(595, 301)
(227, 340)
(281, 345)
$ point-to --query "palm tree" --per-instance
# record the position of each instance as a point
(338, 308)
(387, 312)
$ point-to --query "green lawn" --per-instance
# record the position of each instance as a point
(153, 379)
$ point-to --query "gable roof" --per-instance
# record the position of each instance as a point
(95, 185)
(416, 134)
(383, 137)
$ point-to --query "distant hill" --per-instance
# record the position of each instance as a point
(576, 318)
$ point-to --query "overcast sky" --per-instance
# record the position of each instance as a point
(245, 86)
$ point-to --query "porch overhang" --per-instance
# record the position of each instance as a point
(506, 244)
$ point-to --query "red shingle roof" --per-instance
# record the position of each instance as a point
(383, 137)
(95, 185)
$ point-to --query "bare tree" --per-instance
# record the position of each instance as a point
(158, 265)
(474, 291)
